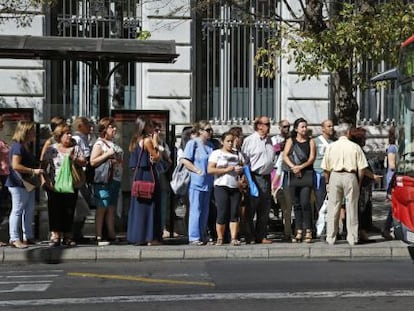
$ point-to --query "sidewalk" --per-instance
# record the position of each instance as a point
(176, 250)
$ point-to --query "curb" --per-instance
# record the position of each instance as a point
(392, 250)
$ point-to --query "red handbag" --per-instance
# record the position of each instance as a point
(142, 189)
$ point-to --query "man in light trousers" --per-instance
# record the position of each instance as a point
(344, 163)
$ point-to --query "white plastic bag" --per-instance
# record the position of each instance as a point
(321, 222)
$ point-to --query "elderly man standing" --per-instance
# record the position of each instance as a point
(259, 153)
(342, 162)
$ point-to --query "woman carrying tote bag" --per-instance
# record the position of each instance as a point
(61, 203)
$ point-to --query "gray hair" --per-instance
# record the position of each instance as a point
(342, 129)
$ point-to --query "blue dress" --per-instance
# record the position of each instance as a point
(144, 217)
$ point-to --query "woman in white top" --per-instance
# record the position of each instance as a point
(225, 164)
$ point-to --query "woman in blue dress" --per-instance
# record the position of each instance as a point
(144, 216)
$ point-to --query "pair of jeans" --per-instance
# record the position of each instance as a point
(22, 212)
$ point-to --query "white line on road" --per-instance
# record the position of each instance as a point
(27, 288)
(29, 276)
(207, 297)
(24, 282)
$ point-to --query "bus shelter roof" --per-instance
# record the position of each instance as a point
(87, 49)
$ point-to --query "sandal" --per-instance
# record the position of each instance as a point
(235, 242)
(3, 244)
(308, 236)
(219, 242)
(18, 244)
(298, 237)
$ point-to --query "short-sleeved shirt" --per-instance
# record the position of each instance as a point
(198, 153)
(259, 153)
(320, 145)
(28, 160)
(83, 143)
(54, 158)
(278, 143)
(117, 168)
(344, 155)
(223, 160)
(391, 149)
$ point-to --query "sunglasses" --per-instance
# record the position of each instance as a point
(286, 126)
(208, 130)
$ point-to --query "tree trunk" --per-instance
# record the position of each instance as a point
(346, 106)
(313, 18)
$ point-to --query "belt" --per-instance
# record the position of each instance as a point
(260, 175)
(345, 171)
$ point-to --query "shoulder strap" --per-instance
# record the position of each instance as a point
(139, 161)
(323, 140)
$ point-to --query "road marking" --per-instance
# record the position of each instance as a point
(26, 282)
(27, 288)
(29, 276)
(207, 297)
(140, 279)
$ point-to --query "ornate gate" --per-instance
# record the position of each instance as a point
(231, 35)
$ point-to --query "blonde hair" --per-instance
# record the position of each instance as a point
(22, 130)
(78, 122)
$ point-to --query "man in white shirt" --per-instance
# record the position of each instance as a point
(258, 151)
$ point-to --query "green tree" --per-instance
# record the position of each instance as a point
(351, 34)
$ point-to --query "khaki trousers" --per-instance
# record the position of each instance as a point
(342, 186)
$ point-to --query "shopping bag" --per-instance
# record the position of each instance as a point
(78, 175)
(64, 180)
(253, 190)
(321, 222)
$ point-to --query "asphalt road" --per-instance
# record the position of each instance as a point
(204, 285)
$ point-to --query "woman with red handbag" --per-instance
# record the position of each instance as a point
(144, 216)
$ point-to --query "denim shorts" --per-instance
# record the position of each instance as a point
(106, 195)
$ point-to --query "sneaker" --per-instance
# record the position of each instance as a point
(101, 242)
(196, 243)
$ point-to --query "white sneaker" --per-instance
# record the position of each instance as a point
(101, 242)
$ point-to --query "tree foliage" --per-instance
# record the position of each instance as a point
(352, 34)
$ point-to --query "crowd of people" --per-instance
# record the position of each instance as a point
(235, 182)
